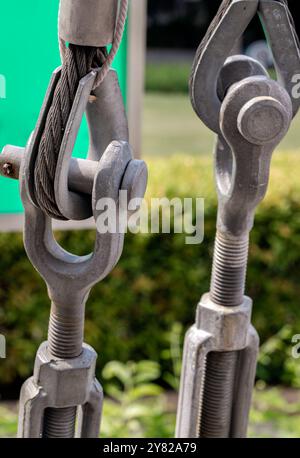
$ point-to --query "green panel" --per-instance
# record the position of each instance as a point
(28, 55)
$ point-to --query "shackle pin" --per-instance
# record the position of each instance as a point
(81, 172)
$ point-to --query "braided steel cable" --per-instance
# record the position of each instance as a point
(77, 61)
(121, 21)
(118, 34)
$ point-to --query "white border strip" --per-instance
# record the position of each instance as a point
(15, 222)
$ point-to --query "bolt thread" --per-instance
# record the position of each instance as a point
(227, 289)
(65, 335)
(59, 423)
(65, 339)
(201, 396)
(216, 405)
(229, 270)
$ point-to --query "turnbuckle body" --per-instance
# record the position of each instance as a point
(61, 384)
(64, 385)
(250, 113)
(221, 349)
(218, 329)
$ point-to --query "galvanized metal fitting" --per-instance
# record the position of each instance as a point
(221, 348)
(255, 115)
(228, 332)
(88, 22)
(217, 46)
(75, 178)
(52, 386)
(107, 122)
(72, 276)
(69, 279)
(227, 326)
(50, 399)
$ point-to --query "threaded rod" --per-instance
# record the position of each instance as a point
(59, 423)
(65, 339)
(65, 334)
(227, 289)
(218, 395)
(229, 270)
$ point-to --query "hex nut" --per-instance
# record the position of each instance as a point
(229, 326)
(66, 382)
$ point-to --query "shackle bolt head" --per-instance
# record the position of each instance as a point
(135, 179)
(262, 120)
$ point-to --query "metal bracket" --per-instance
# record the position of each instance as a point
(210, 57)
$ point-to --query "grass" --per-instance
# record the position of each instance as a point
(170, 77)
(8, 422)
(170, 126)
(275, 414)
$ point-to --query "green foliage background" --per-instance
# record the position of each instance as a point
(160, 279)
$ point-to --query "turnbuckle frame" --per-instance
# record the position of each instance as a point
(217, 329)
(52, 386)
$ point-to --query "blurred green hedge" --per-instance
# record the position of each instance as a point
(159, 278)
